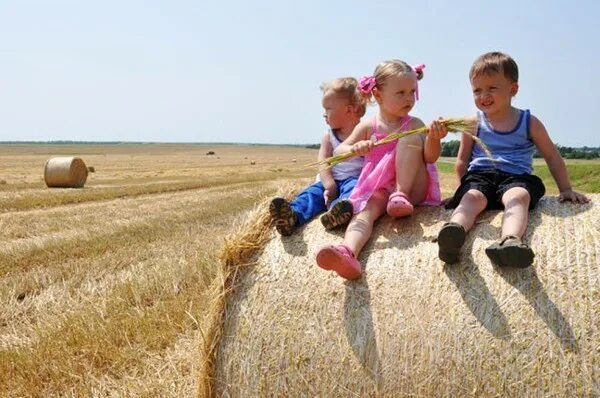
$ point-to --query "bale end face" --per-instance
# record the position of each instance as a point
(65, 172)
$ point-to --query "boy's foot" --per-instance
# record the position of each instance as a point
(340, 259)
(399, 206)
(510, 252)
(283, 216)
(450, 240)
(338, 215)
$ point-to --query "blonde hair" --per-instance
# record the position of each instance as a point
(387, 69)
(495, 62)
(347, 87)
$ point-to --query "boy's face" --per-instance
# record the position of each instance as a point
(493, 92)
(337, 109)
(397, 97)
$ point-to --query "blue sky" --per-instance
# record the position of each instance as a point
(238, 71)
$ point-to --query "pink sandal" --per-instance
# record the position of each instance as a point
(399, 205)
(340, 259)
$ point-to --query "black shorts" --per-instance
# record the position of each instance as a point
(494, 183)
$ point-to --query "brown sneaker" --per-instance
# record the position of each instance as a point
(283, 216)
(338, 215)
(510, 252)
(450, 240)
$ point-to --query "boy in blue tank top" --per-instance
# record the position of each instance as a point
(504, 181)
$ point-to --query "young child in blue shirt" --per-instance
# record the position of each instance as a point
(505, 180)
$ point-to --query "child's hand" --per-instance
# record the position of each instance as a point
(572, 196)
(330, 193)
(437, 130)
(362, 147)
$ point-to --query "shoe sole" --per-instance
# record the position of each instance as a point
(450, 240)
(331, 260)
(510, 256)
(282, 216)
(339, 215)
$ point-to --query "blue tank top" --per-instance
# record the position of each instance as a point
(512, 151)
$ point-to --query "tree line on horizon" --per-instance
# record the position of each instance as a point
(450, 148)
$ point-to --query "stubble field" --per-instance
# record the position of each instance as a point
(104, 290)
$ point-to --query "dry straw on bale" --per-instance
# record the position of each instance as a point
(239, 251)
(413, 326)
(65, 172)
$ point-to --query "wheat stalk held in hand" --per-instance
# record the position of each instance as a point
(454, 125)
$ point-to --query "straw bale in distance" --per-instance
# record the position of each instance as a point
(65, 172)
(413, 326)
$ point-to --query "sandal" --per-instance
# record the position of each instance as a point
(338, 215)
(283, 216)
(510, 252)
(450, 239)
(341, 259)
(398, 205)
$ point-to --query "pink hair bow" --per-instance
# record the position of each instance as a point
(419, 71)
(366, 84)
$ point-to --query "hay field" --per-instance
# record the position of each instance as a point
(104, 290)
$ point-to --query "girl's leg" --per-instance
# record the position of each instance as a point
(411, 171)
(361, 226)
(342, 258)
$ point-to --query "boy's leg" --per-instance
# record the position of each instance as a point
(516, 212)
(287, 216)
(452, 235)
(283, 216)
(472, 203)
(309, 203)
(340, 210)
(511, 251)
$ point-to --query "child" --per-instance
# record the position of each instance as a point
(505, 181)
(395, 175)
(344, 107)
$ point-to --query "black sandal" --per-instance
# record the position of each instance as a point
(510, 252)
(338, 215)
(283, 216)
(450, 240)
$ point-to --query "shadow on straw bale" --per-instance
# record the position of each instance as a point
(412, 325)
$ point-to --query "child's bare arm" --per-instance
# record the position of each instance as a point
(464, 155)
(325, 151)
(360, 136)
(555, 162)
(433, 145)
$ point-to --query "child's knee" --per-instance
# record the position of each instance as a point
(414, 142)
(474, 197)
(516, 196)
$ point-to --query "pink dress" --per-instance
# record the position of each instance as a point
(379, 173)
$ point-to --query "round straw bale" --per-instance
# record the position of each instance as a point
(413, 326)
(65, 172)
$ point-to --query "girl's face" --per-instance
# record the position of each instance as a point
(397, 96)
(337, 109)
(493, 92)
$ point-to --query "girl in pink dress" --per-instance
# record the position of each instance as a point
(396, 176)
